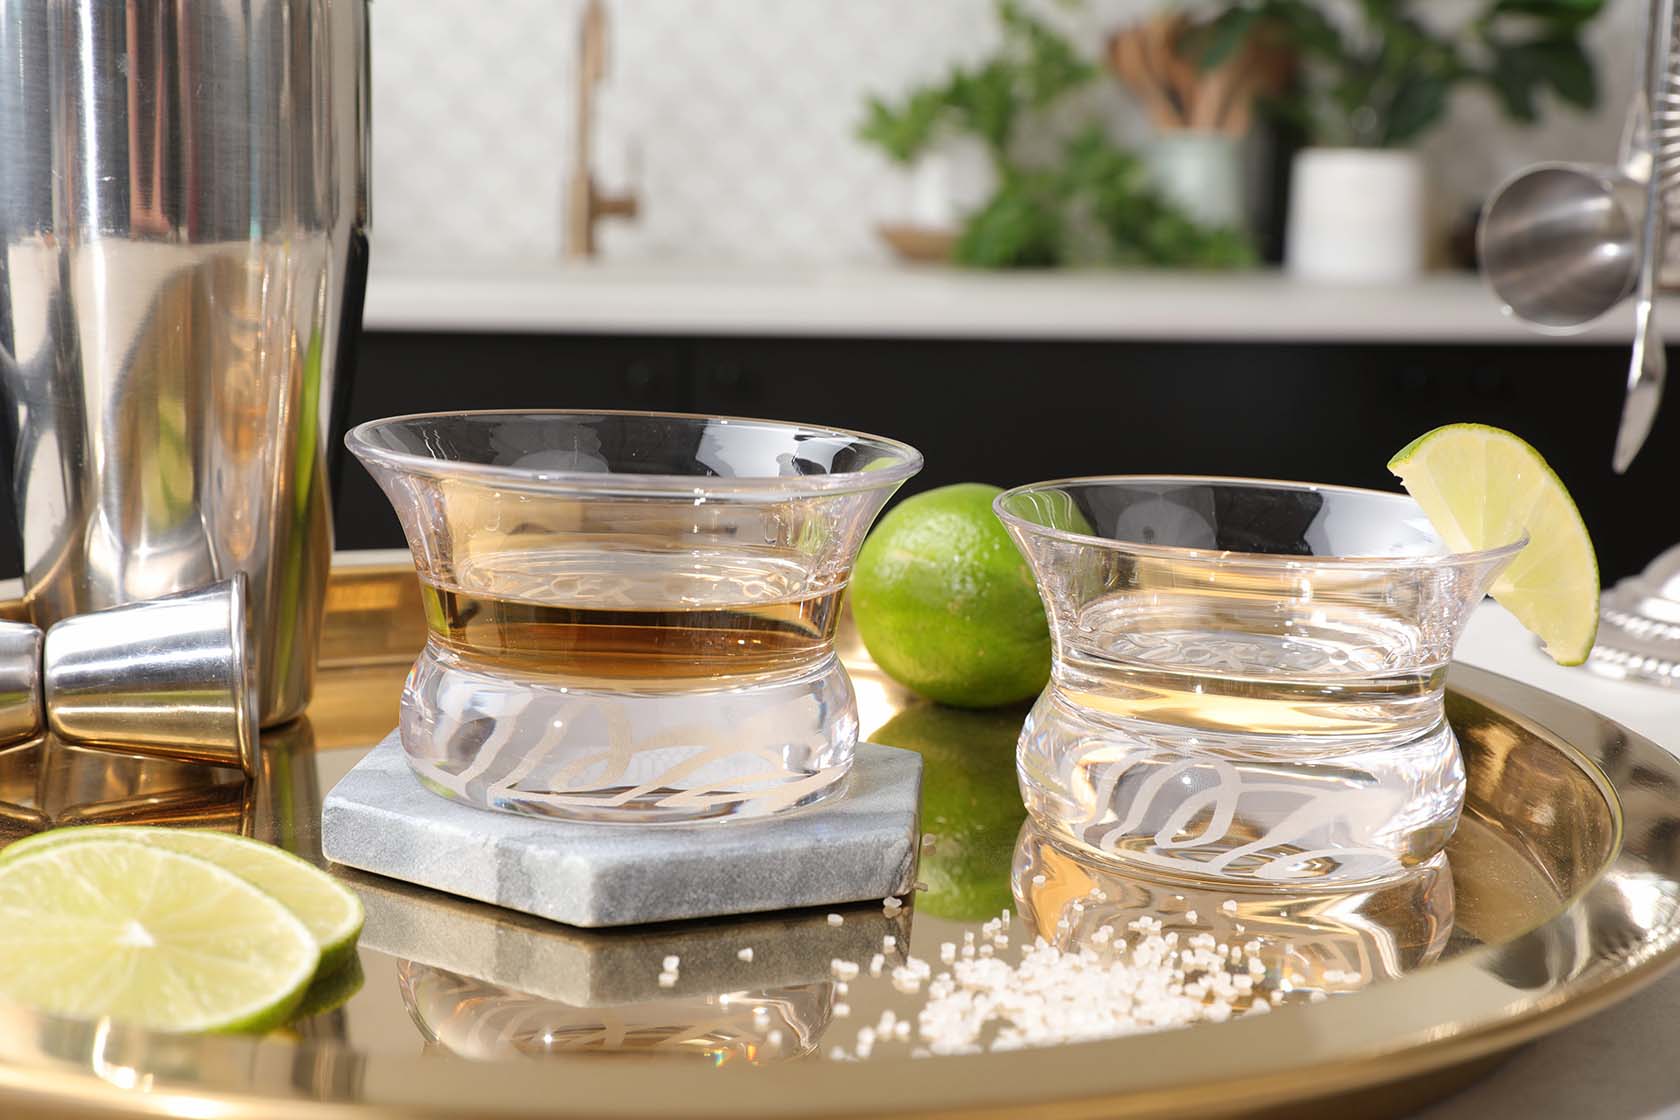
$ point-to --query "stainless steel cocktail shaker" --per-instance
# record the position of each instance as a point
(183, 201)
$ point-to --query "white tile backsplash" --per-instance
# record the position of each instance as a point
(734, 121)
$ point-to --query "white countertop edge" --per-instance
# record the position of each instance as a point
(910, 302)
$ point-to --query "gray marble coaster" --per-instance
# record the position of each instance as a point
(857, 846)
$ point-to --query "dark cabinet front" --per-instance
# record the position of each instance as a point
(1013, 411)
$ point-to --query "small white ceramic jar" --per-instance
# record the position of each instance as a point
(1356, 215)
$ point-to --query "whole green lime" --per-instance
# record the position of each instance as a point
(971, 805)
(946, 605)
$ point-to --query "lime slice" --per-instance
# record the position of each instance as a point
(1483, 487)
(148, 936)
(330, 910)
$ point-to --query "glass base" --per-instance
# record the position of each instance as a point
(527, 744)
(1232, 807)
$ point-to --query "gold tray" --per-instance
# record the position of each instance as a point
(1566, 875)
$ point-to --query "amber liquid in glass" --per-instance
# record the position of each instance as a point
(637, 618)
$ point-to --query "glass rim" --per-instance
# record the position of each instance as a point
(1224, 556)
(357, 439)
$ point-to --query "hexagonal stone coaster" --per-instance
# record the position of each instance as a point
(859, 845)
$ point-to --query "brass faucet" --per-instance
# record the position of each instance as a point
(585, 203)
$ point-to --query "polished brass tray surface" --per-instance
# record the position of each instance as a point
(1567, 898)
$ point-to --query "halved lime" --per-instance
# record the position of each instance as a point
(330, 910)
(1483, 487)
(148, 936)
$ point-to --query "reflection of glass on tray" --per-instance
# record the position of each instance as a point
(632, 615)
(1248, 676)
(1306, 941)
(487, 982)
(488, 1022)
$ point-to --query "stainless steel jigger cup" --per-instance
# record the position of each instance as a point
(1559, 243)
(171, 678)
(183, 206)
(21, 714)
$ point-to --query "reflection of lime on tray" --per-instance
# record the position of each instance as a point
(971, 804)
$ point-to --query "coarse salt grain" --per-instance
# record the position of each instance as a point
(671, 963)
(1054, 995)
(843, 970)
(835, 919)
(667, 979)
(889, 943)
(841, 1010)
(1229, 906)
(876, 964)
(745, 954)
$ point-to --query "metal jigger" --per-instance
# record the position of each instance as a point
(168, 678)
(21, 715)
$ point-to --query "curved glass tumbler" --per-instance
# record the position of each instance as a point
(631, 615)
(1248, 677)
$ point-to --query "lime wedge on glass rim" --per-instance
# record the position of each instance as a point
(148, 936)
(331, 911)
(1482, 487)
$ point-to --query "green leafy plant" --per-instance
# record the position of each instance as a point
(1032, 217)
(1384, 77)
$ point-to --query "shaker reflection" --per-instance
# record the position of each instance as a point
(1311, 942)
(63, 785)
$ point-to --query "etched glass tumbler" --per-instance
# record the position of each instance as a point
(1247, 677)
(631, 616)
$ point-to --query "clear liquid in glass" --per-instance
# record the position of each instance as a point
(1242, 733)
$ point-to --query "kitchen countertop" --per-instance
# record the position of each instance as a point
(1619, 1064)
(929, 302)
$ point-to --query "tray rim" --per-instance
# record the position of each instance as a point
(241, 1077)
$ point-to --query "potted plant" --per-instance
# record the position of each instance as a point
(1200, 114)
(1078, 198)
(1369, 85)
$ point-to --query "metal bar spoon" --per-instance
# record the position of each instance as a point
(1649, 365)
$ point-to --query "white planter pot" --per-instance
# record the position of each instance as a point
(1356, 215)
(949, 182)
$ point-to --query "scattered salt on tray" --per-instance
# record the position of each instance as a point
(1112, 986)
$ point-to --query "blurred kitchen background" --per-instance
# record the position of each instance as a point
(1059, 243)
